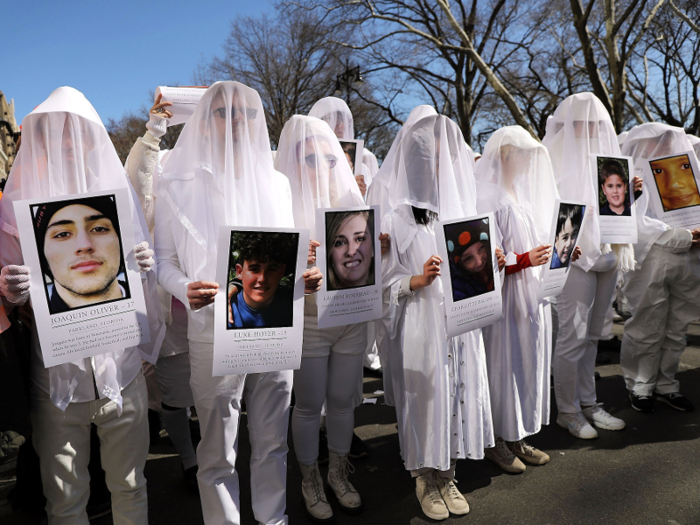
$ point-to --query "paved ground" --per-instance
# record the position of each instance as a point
(645, 474)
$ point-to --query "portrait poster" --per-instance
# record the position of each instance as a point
(86, 287)
(616, 215)
(470, 278)
(184, 99)
(566, 230)
(353, 153)
(350, 259)
(673, 185)
(259, 308)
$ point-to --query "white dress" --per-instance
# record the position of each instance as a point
(439, 384)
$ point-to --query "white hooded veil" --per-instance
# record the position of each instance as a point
(310, 155)
(336, 113)
(645, 142)
(219, 173)
(66, 151)
(581, 126)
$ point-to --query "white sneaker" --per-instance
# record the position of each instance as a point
(454, 500)
(600, 418)
(577, 425)
(431, 501)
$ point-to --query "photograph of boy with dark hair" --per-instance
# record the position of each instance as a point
(80, 252)
(675, 182)
(261, 279)
(469, 251)
(614, 186)
(568, 226)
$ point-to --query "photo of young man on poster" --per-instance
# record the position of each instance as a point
(80, 252)
(261, 279)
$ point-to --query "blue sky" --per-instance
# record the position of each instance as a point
(114, 52)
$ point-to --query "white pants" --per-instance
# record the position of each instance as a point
(581, 306)
(62, 441)
(333, 379)
(664, 297)
(218, 403)
(371, 359)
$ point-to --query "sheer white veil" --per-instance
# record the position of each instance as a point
(336, 113)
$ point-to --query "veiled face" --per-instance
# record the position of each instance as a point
(586, 128)
(239, 115)
(317, 164)
(676, 182)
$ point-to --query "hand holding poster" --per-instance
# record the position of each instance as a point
(470, 278)
(566, 228)
(184, 100)
(86, 291)
(616, 215)
(350, 262)
(259, 306)
(674, 184)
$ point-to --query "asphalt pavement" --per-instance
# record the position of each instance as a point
(645, 474)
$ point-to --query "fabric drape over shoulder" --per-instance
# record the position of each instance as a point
(310, 156)
(220, 172)
(645, 142)
(66, 151)
(581, 126)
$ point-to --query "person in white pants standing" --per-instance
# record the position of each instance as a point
(664, 291)
(580, 127)
(66, 151)
(220, 173)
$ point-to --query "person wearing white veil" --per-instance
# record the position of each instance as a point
(695, 142)
(378, 195)
(220, 173)
(336, 113)
(664, 291)
(515, 181)
(66, 151)
(170, 376)
(309, 154)
(440, 384)
(580, 127)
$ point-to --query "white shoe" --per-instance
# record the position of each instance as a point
(454, 500)
(315, 502)
(600, 418)
(577, 425)
(430, 499)
(338, 468)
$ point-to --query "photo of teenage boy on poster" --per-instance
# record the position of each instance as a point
(261, 274)
(675, 182)
(80, 252)
(613, 187)
(469, 250)
(569, 222)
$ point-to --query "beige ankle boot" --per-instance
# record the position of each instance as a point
(338, 468)
(316, 504)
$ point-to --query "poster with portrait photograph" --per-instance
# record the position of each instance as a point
(616, 215)
(85, 283)
(353, 153)
(673, 186)
(470, 277)
(350, 259)
(566, 229)
(259, 308)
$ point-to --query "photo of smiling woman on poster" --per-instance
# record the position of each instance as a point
(80, 252)
(675, 182)
(469, 250)
(568, 227)
(261, 279)
(350, 249)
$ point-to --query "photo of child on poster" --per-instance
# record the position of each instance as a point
(469, 251)
(80, 252)
(261, 277)
(568, 227)
(614, 187)
(350, 249)
(350, 150)
(675, 182)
